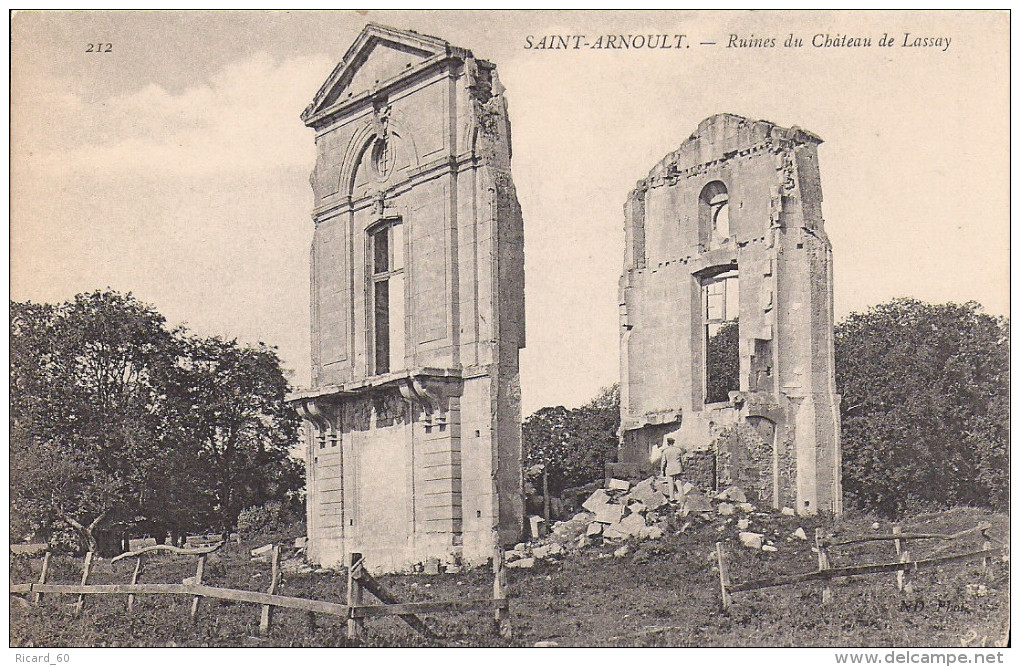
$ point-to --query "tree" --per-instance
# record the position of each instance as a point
(925, 421)
(88, 376)
(574, 444)
(117, 418)
(230, 407)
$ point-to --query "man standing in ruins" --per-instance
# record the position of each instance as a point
(672, 466)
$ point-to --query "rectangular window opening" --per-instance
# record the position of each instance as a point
(388, 322)
(382, 327)
(721, 311)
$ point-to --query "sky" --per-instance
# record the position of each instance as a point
(175, 166)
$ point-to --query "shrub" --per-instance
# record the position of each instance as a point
(272, 517)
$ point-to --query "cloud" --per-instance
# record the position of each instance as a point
(242, 120)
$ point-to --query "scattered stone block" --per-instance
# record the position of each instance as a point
(609, 514)
(573, 527)
(696, 502)
(747, 508)
(595, 501)
(546, 644)
(736, 494)
(752, 540)
(540, 552)
(618, 485)
(788, 511)
(432, 566)
(648, 494)
(262, 551)
(800, 534)
(686, 488)
(743, 524)
(726, 509)
(637, 507)
(524, 563)
(622, 551)
(631, 524)
(300, 542)
(875, 526)
(521, 546)
(654, 532)
(454, 569)
(613, 532)
(769, 547)
(555, 549)
(537, 526)
(594, 528)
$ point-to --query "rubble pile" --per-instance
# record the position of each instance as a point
(622, 512)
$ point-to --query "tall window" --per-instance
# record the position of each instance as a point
(387, 268)
(720, 296)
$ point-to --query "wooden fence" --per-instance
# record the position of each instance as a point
(825, 572)
(355, 611)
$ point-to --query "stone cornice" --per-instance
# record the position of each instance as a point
(418, 175)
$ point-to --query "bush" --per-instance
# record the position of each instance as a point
(64, 541)
(259, 520)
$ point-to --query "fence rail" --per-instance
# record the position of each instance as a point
(825, 572)
(359, 581)
(231, 594)
(853, 570)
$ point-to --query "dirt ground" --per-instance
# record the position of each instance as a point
(664, 592)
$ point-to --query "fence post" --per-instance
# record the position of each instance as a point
(134, 580)
(42, 575)
(908, 587)
(199, 571)
(899, 557)
(354, 625)
(86, 569)
(545, 495)
(724, 577)
(502, 614)
(823, 564)
(274, 580)
(985, 546)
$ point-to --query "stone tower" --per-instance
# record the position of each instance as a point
(417, 303)
(726, 250)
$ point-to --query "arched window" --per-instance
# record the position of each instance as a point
(714, 213)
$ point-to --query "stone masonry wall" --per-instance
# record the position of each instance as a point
(413, 416)
(768, 178)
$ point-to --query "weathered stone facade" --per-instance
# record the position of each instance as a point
(413, 418)
(727, 231)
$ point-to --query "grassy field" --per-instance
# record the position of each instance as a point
(663, 593)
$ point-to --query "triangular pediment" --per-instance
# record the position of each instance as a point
(379, 54)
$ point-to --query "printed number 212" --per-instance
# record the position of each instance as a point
(99, 48)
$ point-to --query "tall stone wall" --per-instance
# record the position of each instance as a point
(777, 432)
(417, 262)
